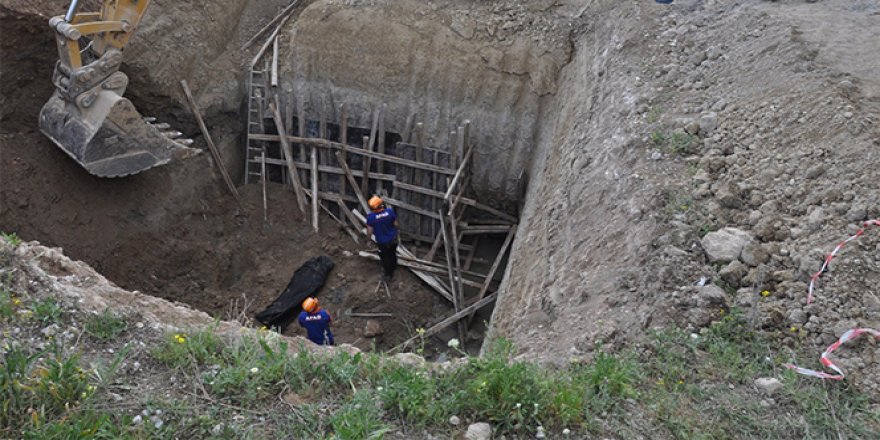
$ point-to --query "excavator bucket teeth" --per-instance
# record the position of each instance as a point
(110, 138)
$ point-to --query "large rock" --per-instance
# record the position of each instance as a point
(725, 245)
(754, 254)
(768, 385)
(733, 273)
(479, 431)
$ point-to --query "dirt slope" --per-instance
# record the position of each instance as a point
(780, 107)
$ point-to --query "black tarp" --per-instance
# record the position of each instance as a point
(306, 282)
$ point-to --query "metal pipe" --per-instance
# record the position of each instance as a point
(71, 11)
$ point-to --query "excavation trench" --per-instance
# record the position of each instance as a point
(175, 233)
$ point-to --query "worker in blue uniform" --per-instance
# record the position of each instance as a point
(316, 321)
(382, 224)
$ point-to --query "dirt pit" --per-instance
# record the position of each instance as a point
(174, 232)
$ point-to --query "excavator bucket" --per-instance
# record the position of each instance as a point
(109, 138)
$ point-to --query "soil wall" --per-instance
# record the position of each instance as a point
(445, 62)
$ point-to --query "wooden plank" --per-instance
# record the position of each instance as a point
(316, 200)
(463, 200)
(343, 138)
(322, 133)
(365, 182)
(301, 125)
(352, 182)
(473, 230)
(265, 46)
(407, 127)
(274, 76)
(288, 157)
(409, 263)
(412, 208)
(380, 141)
(326, 169)
(459, 289)
(457, 295)
(350, 150)
(284, 15)
(495, 265)
(458, 175)
(368, 146)
(424, 147)
(352, 234)
(470, 258)
(218, 161)
(442, 325)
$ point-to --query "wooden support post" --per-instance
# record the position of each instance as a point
(380, 140)
(218, 161)
(407, 128)
(440, 326)
(425, 268)
(274, 76)
(322, 133)
(417, 176)
(316, 199)
(458, 176)
(457, 257)
(352, 182)
(288, 157)
(301, 125)
(473, 251)
(491, 275)
(343, 139)
(456, 294)
(365, 183)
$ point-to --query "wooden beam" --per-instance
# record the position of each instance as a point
(365, 182)
(288, 157)
(352, 234)
(301, 125)
(408, 263)
(456, 287)
(464, 200)
(495, 265)
(315, 198)
(285, 13)
(473, 251)
(412, 208)
(440, 326)
(274, 76)
(350, 150)
(343, 138)
(325, 169)
(458, 175)
(218, 161)
(407, 127)
(380, 140)
(322, 133)
(352, 182)
(459, 288)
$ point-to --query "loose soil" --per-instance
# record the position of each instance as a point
(174, 232)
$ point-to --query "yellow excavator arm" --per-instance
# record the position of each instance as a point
(87, 116)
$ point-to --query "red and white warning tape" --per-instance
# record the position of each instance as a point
(850, 334)
(833, 253)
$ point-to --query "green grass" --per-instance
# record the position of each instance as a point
(676, 142)
(10, 238)
(105, 326)
(47, 311)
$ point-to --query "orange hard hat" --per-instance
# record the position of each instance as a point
(310, 304)
(375, 203)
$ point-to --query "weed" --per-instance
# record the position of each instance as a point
(8, 304)
(658, 139)
(360, 418)
(682, 143)
(654, 113)
(181, 350)
(11, 238)
(105, 326)
(47, 310)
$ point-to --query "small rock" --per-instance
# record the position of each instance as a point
(373, 329)
(454, 421)
(768, 385)
(725, 245)
(410, 359)
(733, 273)
(479, 431)
(797, 316)
(137, 420)
(708, 123)
(754, 254)
(712, 295)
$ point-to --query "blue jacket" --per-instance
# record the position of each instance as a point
(382, 223)
(317, 326)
